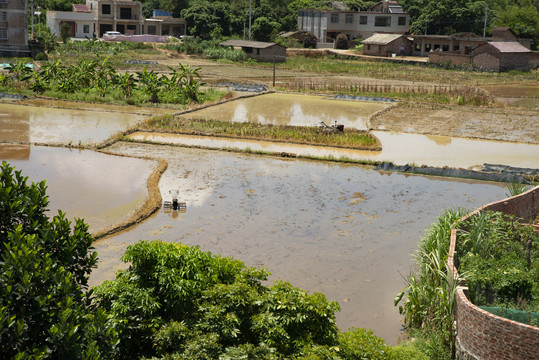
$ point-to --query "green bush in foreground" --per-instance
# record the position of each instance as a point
(178, 302)
(44, 268)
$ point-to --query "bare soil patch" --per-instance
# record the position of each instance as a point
(502, 124)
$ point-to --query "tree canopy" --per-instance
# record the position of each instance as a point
(45, 310)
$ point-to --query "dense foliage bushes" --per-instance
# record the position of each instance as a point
(500, 259)
(99, 78)
(45, 311)
(213, 304)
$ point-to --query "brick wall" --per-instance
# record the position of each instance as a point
(534, 60)
(480, 334)
(453, 58)
(486, 61)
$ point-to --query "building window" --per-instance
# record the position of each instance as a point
(368, 46)
(3, 1)
(382, 21)
(3, 34)
(152, 30)
(363, 20)
(334, 18)
(456, 48)
(402, 20)
(125, 13)
(349, 18)
(105, 9)
(86, 29)
(3, 16)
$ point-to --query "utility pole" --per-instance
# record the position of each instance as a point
(249, 20)
(485, 22)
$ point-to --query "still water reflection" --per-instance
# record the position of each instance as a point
(291, 109)
(84, 183)
(32, 124)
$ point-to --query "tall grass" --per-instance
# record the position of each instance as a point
(304, 135)
(428, 299)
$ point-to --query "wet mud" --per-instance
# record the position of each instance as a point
(344, 230)
(513, 125)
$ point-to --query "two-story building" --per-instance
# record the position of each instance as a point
(383, 17)
(124, 16)
(96, 17)
(14, 28)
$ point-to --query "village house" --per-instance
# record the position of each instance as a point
(462, 43)
(383, 17)
(501, 56)
(258, 50)
(387, 44)
(96, 17)
(14, 28)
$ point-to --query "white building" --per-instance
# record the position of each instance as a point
(383, 17)
(96, 17)
(81, 21)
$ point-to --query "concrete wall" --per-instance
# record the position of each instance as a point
(14, 41)
(441, 57)
(480, 334)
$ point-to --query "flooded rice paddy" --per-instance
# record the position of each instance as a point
(35, 124)
(347, 231)
(344, 230)
(400, 148)
(84, 183)
(293, 110)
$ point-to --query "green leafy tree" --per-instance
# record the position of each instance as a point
(522, 17)
(264, 29)
(176, 301)
(45, 311)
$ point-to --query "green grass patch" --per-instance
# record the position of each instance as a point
(303, 135)
(410, 72)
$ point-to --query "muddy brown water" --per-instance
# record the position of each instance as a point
(346, 231)
(400, 148)
(100, 188)
(35, 124)
(292, 109)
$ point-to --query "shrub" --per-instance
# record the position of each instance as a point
(341, 42)
(174, 299)
(45, 311)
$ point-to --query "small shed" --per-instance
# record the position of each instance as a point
(387, 44)
(501, 56)
(258, 50)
